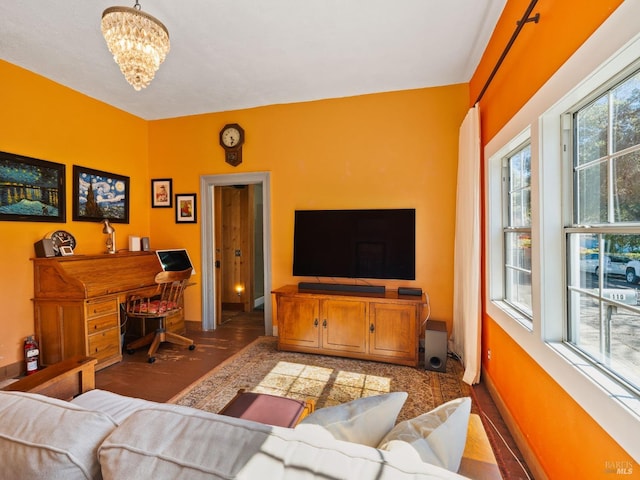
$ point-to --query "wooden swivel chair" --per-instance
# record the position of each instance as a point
(165, 301)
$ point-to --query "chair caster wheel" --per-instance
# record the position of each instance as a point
(151, 359)
(192, 347)
(130, 351)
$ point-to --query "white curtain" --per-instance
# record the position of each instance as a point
(465, 338)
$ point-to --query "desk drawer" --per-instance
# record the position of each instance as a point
(105, 322)
(105, 344)
(102, 307)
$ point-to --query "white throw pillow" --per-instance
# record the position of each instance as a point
(438, 436)
(364, 420)
(46, 438)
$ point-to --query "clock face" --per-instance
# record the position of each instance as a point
(61, 238)
(230, 137)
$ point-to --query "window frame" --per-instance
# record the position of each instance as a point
(507, 228)
(498, 197)
(609, 50)
(576, 225)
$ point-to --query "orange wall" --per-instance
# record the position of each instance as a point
(566, 441)
(564, 438)
(375, 151)
(44, 120)
(388, 150)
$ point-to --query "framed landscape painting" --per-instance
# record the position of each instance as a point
(31, 190)
(98, 195)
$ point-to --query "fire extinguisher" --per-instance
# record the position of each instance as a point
(31, 354)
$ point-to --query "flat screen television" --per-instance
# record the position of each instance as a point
(378, 244)
(175, 260)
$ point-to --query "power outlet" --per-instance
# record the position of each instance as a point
(488, 354)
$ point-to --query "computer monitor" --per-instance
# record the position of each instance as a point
(175, 260)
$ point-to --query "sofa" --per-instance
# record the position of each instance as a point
(56, 425)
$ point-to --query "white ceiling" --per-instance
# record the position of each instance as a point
(234, 54)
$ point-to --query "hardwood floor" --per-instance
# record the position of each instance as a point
(177, 367)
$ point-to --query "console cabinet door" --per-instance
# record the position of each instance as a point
(344, 325)
(298, 321)
(393, 331)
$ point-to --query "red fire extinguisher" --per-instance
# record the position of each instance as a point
(31, 354)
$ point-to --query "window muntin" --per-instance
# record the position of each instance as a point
(517, 230)
(603, 244)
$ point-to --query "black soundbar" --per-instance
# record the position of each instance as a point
(409, 291)
(341, 287)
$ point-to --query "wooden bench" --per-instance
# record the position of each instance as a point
(64, 380)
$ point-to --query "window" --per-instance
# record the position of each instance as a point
(583, 128)
(603, 239)
(517, 230)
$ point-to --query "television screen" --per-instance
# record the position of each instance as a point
(355, 243)
(174, 260)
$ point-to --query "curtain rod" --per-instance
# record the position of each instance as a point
(526, 18)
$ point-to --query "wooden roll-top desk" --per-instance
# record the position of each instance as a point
(77, 303)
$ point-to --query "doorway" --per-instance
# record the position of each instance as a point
(212, 292)
(239, 259)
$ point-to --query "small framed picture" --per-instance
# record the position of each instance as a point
(161, 194)
(186, 208)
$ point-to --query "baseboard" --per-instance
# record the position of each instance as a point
(13, 370)
(518, 436)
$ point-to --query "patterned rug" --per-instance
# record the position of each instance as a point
(260, 367)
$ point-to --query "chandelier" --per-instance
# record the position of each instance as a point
(138, 42)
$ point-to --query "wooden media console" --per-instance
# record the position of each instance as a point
(372, 326)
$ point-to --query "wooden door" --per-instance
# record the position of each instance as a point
(344, 325)
(234, 247)
(393, 330)
(298, 321)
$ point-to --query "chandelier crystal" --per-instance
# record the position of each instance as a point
(138, 42)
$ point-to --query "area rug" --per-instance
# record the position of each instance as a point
(261, 368)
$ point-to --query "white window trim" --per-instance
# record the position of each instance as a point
(495, 235)
(609, 50)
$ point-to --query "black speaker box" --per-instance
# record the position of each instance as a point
(44, 248)
(435, 346)
(409, 291)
